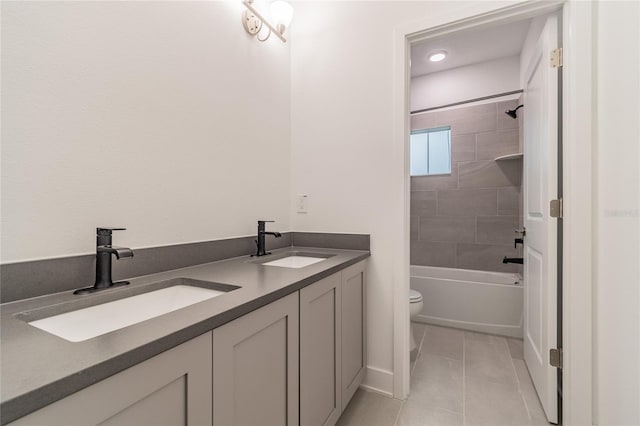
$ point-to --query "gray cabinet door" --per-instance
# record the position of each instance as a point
(173, 388)
(354, 343)
(255, 367)
(320, 349)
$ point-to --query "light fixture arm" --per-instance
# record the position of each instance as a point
(266, 38)
(272, 29)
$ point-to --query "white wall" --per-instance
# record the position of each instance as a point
(617, 214)
(464, 83)
(162, 117)
(342, 133)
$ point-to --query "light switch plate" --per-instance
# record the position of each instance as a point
(302, 203)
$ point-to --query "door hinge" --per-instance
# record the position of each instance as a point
(555, 208)
(555, 357)
(556, 58)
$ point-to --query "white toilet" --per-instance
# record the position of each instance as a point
(415, 306)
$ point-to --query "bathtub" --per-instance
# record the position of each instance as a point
(489, 302)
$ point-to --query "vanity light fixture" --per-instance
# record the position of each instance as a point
(438, 56)
(281, 13)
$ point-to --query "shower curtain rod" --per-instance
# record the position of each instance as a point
(499, 95)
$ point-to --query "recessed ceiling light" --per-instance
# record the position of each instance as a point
(438, 56)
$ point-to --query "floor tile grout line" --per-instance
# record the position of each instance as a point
(415, 361)
(395, 423)
(524, 400)
(424, 334)
(448, 411)
(443, 356)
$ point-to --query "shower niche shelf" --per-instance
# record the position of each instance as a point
(516, 156)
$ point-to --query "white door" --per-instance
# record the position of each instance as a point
(540, 186)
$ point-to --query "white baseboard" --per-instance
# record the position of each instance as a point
(379, 381)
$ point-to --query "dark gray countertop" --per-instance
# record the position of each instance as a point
(38, 368)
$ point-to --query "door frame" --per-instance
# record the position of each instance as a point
(577, 152)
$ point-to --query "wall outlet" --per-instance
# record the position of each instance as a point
(302, 203)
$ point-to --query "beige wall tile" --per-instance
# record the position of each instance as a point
(467, 202)
(427, 183)
(486, 257)
(496, 229)
(486, 174)
(521, 208)
(445, 116)
(463, 148)
(448, 229)
(426, 120)
(476, 123)
(414, 227)
(494, 144)
(511, 104)
(509, 201)
(423, 203)
(474, 119)
(444, 209)
(433, 254)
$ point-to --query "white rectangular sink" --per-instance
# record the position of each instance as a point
(83, 324)
(295, 261)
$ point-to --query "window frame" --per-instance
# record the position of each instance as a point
(427, 131)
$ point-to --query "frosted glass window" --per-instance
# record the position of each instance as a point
(430, 152)
(419, 154)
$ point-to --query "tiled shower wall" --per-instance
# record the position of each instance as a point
(467, 219)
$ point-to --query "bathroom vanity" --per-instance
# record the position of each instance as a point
(286, 345)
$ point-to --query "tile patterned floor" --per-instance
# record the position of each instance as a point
(458, 378)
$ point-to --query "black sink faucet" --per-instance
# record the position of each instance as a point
(513, 260)
(261, 233)
(104, 250)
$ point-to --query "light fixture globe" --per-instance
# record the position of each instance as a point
(438, 56)
(282, 14)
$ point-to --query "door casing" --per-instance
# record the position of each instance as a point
(577, 153)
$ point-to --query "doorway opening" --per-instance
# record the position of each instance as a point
(485, 268)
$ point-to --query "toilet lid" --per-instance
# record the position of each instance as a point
(415, 296)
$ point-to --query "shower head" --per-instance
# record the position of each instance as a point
(512, 112)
